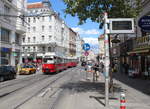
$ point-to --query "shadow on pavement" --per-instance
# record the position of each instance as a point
(136, 83)
(83, 87)
(99, 99)
(86, 86)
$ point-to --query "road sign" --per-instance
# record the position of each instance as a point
(86, 46)
(121, 25)
(144, 23)
(86, 53)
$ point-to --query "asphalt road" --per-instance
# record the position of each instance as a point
(36, 91)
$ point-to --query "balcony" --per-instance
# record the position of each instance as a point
(20, 27)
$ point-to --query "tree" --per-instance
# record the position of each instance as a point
(94, 9)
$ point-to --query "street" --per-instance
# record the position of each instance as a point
(69, 89)
(33, 91)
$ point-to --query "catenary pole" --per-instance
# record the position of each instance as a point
(107, 59)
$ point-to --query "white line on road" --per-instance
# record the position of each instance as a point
(44, 92)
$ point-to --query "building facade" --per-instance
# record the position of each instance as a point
(72, 42)
(11, 31)
(46, 33)
(136, 51)
(79, 50)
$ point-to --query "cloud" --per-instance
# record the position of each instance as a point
(91, 40)
(86, 32)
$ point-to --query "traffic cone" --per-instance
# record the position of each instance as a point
(122, 101)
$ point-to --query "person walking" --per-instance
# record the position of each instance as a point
(96, 72)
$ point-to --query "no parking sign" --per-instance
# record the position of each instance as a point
(86, 53)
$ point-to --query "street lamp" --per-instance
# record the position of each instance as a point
(115, 40)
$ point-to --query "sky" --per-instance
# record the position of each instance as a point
(88, 31)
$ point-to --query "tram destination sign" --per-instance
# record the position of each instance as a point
(144, 23)
(121, 25)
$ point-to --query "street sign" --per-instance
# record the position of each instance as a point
(86, 53)
(86, 46)
(121, 25)
(144, 23)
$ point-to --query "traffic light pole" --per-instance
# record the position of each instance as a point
(107, 60)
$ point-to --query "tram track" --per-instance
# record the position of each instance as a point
(39, 91)
(16, 87)
(16, 81)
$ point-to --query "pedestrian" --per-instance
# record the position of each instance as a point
(126, 68)
(96, 72)
(101, 67)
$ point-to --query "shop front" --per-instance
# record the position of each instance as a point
(5, 56)
(140, 56)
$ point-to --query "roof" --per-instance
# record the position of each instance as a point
(35, 5)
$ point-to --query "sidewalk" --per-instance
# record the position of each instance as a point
(82, 93)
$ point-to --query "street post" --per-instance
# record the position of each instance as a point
(107, 59)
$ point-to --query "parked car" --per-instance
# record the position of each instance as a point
(7, 72)
(27, 69)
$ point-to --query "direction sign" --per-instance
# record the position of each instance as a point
(86, 46)
(86, 53)
(144, 23)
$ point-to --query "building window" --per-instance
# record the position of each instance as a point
(5, 35)
(43, 18)
(49, 49)
(33, 48)
(50, 37)
(29, 20)
(43, 49)
(17, 39)
(6, 10)
(28, 48)
(28, 39)
(43, 38)
(28, 29)
(43, 28)
(23, 40)
(50, 28)
(34, 29)
(34, 19)
(34, 39)
(23, 48)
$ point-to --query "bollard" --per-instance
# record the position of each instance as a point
(122, 101)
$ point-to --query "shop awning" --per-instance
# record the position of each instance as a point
(138, 51)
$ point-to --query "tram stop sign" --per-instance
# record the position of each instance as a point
(86, 46)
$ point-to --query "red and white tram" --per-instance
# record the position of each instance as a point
(53, 63)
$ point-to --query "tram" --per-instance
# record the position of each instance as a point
(53, 63)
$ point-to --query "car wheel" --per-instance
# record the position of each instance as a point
(1, 79)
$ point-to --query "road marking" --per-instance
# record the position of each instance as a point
(44, 92)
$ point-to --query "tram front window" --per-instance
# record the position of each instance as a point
(49, 60)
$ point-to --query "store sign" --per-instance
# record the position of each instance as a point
(5, 49)
(143, 42)
(144, 23)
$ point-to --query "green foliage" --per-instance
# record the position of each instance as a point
(94, 9)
